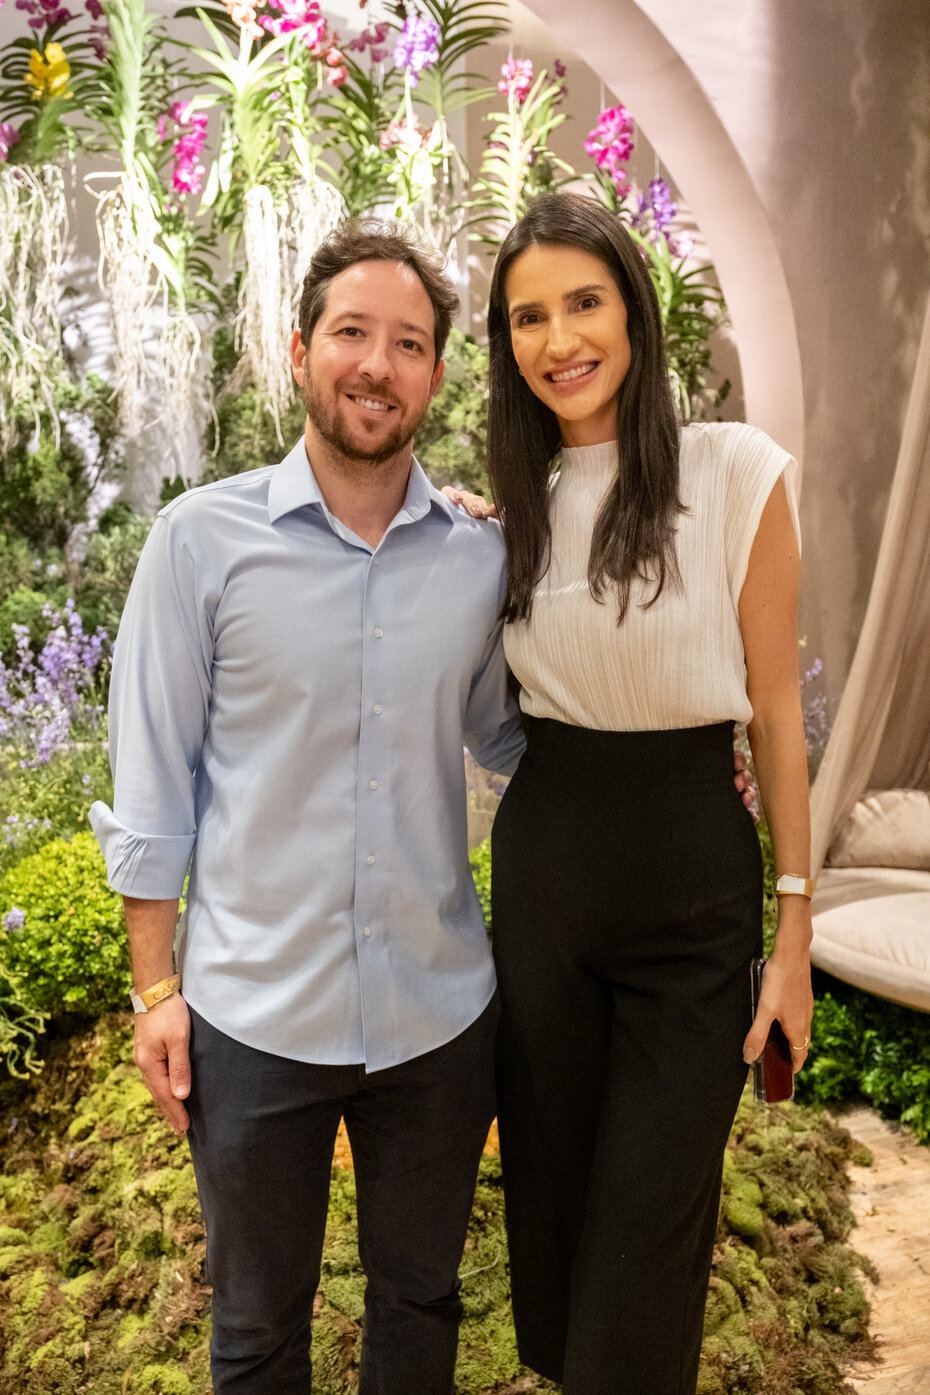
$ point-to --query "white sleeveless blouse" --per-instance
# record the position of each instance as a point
(679, 663)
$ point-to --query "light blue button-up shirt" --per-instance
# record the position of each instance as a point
(290, 704)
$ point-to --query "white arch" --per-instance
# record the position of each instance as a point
(625, 47)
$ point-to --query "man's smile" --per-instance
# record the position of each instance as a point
(371, 404)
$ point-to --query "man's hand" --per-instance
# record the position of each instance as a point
(743, 782)
(161, 1053)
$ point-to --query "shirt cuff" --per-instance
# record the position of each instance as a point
(150, 866)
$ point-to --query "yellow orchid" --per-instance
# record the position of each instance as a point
(49, 75)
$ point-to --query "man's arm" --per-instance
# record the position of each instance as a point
(159, 701)
(160, 1049)
(493, 731)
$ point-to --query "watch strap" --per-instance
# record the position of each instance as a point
(164, 988)
(790, 885)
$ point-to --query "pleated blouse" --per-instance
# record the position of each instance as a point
(679, 663)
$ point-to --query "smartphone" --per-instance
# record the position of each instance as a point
(772, 1072)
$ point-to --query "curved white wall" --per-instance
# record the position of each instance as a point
(798, 134)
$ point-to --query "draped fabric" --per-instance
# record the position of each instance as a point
(881, 738)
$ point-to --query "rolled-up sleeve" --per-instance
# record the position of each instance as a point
(159, 704)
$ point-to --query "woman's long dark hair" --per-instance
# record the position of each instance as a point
(634, 534)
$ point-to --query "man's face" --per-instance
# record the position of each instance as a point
(369, 372)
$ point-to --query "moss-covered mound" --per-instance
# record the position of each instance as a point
(101, 1253)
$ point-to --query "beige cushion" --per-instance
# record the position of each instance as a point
(872, 929)
(887, 828)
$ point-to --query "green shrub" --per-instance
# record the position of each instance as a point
(865, 1046)
(50, 801)
(20, 1025)
(242, 436)
(480, 859)
(28, 581)
(45, 482)
(108, 568)
(70, 951)
(452, 441)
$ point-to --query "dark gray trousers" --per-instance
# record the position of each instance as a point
(261, 1135)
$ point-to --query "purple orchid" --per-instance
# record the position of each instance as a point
(44, 13)
(417, 46)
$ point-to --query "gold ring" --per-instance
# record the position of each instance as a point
(804, 1046)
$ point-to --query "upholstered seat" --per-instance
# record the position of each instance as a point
(872, 929)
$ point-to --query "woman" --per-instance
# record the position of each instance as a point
(651, 603)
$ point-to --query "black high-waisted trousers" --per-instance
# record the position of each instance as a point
(627, 906)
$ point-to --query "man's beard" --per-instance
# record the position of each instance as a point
(334, 431)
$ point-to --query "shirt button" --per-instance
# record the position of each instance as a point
(371, 861)
(367, 930)
(372, 784)
(377, 709)
(378, 632)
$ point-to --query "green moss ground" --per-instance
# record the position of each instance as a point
(101, 1252)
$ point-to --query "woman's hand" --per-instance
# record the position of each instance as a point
(743, 782)
(473, 504)
(786, 985)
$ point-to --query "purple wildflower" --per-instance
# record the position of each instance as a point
(818, 715)
(14, 919)
(417, 46)
(43, 697)
(8, 138)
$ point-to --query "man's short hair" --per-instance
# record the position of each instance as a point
(378, 240)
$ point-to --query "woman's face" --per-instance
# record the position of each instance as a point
(568, 331)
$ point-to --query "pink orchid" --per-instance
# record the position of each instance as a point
(8, 138)
(516, 78)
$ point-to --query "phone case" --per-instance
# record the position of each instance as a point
(772, 1072)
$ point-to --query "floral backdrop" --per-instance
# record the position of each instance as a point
(217, 163)
(216, 154)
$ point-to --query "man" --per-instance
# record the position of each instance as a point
(304, 651)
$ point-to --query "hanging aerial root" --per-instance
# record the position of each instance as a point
(128, 230)
(33, 244)
(264, 323)
(181, 380)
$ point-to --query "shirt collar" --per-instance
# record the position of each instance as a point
(293, 486)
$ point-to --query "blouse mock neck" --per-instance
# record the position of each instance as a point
(590, 462)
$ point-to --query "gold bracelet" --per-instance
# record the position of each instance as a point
(792, 884)
(165, 988)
